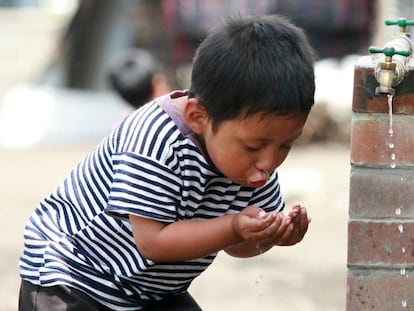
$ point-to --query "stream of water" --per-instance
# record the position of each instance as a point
(393, 158)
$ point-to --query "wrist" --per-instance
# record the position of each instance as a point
(235, 228)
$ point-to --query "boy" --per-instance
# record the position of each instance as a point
(180, 179)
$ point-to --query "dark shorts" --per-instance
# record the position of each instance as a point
(64, 298)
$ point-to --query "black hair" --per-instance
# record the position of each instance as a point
(254, 64)
(131, 75)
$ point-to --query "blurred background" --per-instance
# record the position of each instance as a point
(56, 103)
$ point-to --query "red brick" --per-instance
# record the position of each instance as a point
(370, 139)
(386, 242)
(381, 208)
(380, 290)
(381, 193)
(365, 99)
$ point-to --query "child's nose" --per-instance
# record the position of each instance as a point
(267, 163)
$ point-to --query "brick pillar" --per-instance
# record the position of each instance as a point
(380, 272)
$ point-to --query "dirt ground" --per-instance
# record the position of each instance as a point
(310, 276)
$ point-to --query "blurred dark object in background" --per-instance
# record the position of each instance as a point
(331, 25)
(72, 86)
(172, 29)
(187, 22)
(336, 28)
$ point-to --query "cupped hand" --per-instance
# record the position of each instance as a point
(252, 223)
(287, 229)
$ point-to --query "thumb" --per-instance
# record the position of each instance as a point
(254, 212)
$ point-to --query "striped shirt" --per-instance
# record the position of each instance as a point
(150, 166)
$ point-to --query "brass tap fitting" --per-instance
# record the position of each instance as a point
(386, 73)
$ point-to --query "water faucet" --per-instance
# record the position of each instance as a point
(389, 73)
(392, 66)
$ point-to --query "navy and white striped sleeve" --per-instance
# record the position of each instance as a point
(143, 187)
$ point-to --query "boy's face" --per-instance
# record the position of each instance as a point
(248, 150)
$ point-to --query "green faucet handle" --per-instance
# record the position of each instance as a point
(388, 51)
(401, 22)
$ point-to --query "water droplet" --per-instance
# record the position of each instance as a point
(398, 211)
(401, 228)
(391, 131)
(259, 281)
(404, 303)
(402, 271)
(403, 250)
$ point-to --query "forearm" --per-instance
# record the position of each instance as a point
(183, 240)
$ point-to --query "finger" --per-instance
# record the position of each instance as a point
(246, 227)
(278, 224)
(268, 232)
(261, 224)
(287, 237)
(296, 208)
(304, 221)
(301, 218)
(272, 235)
(277, 230)
(262, 214)
(300, 228)
(295, 211)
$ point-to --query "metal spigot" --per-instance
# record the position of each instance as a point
(388, 73)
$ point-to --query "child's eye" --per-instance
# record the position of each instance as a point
(251, 148)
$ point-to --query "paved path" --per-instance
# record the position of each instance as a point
(307, 277)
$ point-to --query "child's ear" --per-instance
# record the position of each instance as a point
(195, 116)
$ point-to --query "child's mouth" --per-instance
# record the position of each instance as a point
(257, 184)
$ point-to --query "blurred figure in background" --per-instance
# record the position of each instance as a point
(137, 77)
